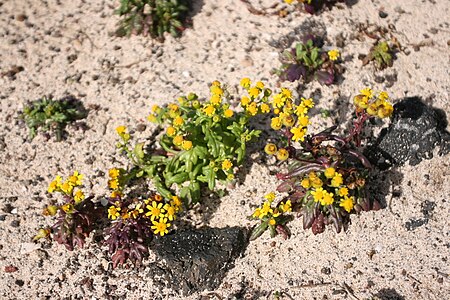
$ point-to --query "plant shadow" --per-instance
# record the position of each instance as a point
(388, 294)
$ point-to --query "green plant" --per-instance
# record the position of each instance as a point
(76, 216)
(326, 178)
(127, 223)
(203, 143)
(152, 17)
(51, 115)
(381, 53)
(309, 61)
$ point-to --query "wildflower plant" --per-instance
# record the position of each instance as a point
(312, 6)
(381, 53)
(76, 216)
(134, 221)
(308, 61)
(152, 17)
(327, 174)
(204, 142)
(48, 115)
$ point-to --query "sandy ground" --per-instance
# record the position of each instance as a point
(124, 76)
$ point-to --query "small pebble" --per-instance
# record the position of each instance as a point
(382, 14)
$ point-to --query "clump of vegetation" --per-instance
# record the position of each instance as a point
(152, 17)
(308, 61)
(77, 214)
(312, 6)
(381, 53)
(204, 142)
(127, 223)
(327, 174)
(52, 116)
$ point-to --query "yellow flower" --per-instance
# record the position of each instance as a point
(286, 93)
(288, 121)
(151, 118)
(67, 208)
(215, 100)
(121, 130)
(50, 210)
(259, 85)
(116, 194)
(265, 210)
(176, 201)
(158, 197)
(270, 149)
(67, 188)
(337, 180)
(333, 54)
(155, 210)
(252, 109)
(385, 110)
(327, 199)
(316, 182)
(254, 92)
(245, 82)
(156, 108)
(186, 145)
(343, 191)
(265, 108)
(256, 213)
(383, 96)
(318, 194)
(347, 203)
(329, 172)
(299, 134)
(272, 222)
(79, 196)
(226, 165)
(270, 196)
(75, 179)
(367, 92)
(170, 211)
(245, 101)
(54, 184)
(372, 109)
(161, 226)
(113, 184)
(300, 110)
(178, 140)
(278, 100)
(230, 176)
(289, 1)
(171, 131)
(303, 120)
(216, 90)
(305, 183)
(209, 110)
(178, 121)
(113, 212)
(137, 211)
(307, 102)
(282, 154)
(276, 123)
(173, 107)
(114, 173)
(228, 113)
(286, 206)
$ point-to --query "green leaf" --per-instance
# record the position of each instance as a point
(259, 230)
(138, 151)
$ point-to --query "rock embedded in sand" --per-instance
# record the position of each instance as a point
(415, 131)
(197, 259)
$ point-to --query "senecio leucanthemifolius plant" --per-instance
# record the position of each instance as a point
(326, 178)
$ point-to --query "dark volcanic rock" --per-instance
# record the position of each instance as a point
(415, 131)
(197, 259)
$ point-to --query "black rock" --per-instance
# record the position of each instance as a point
(197, 259)
(416, 129)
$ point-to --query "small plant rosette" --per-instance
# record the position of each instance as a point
(309, 61)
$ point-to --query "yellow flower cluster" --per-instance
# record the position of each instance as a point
(68, 187)
(257, 101)
(122, 132)
(114, 182)
(153, 208)
(271, 214)
(374, 105)
(327, 187)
